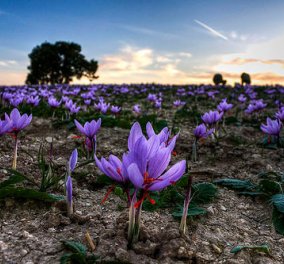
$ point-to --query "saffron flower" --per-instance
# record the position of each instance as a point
(200, 132)
(136, 109)
(212, 117)
(18, 123)
(114, 168)
(115, 109)
(224, 106)
(149, 160)
(90, 129)
(280, 115)
(272, 127)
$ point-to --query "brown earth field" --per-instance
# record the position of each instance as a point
(32, 231)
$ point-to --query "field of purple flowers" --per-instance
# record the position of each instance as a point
(142, 173)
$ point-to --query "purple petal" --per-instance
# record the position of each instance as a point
(159, 162)
(135, 176)
(73, 160)
(170, 177)
(135, 134)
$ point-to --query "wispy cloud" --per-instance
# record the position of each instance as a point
(7, 63)
(211, 30)
(146, 31)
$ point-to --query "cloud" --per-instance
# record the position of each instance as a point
(7, 63)
(211, 30)
(146, 31)
(136, 64)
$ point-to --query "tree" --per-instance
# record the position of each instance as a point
(245, 77)
(218, 78)
(59, 63)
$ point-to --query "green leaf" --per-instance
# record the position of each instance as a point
(269, 186)
(262, 248)
(193, 210)
(278, 202)
(203, 192)
(29, 194)
(278, 221)
(65, 259)
(235, 184)
(12, 180)
(75, 247)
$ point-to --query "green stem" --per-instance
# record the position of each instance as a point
(131, 219)
(183, 226)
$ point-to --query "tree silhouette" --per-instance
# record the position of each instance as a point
(218, 79)
(59, 63)
(245, 77)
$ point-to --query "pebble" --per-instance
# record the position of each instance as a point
(24, 252)
(223, 208)
(217, 249)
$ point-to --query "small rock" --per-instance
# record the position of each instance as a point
(223, 208)
(182, 253)
(210, 210)
(122, 255)
(23, 252)
(49, 139)
(217, 249)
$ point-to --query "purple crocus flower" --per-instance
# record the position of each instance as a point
(19, 122)
(137, 109)
(200, 132)
(224, 106)
(53, 102)
(90, 129)
(114, 168)
(33, 100)
(147, 171)
(280, 115)
(272, 127)
(212, 117)
(178, 103)
(115, 109)
(242, 98)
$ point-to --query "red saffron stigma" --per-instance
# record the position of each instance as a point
(174, 153)
(110, 190)
(173, 182)
(76, 137)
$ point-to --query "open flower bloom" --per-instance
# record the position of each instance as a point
(19, 122)
(163, 136)
(114, 168)
(90, 129)
(273, 127)
(149, 161)
(224, 106)
(212, 117)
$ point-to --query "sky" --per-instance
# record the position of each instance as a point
(161, 41)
